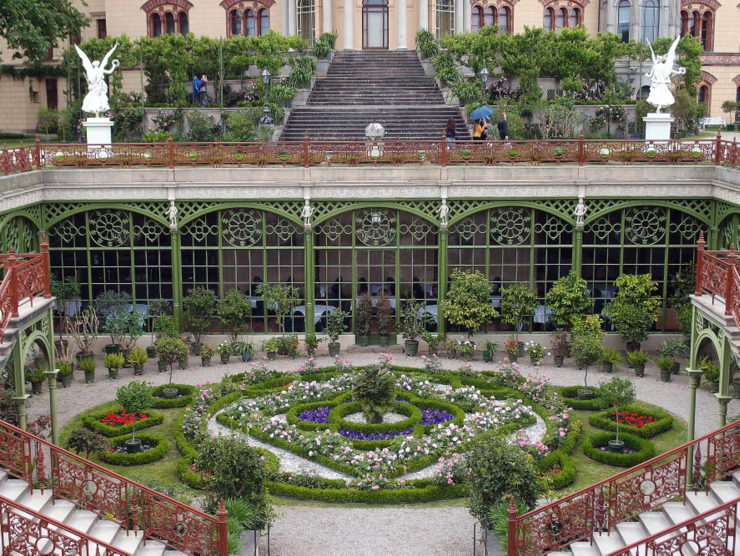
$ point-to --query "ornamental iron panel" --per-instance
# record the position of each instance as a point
(375, 227)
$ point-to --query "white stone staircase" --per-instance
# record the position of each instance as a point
(77, 520)
(652, 523)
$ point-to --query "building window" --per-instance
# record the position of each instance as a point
(102, 29)
(490, 16)
(650, 20)
(504, 20)
(445, 15)
(574, 19)
(236, 23)
(705, 98)
(264, 21)
(164, 16)
(623, 20)
(547, 22)
(156, 25)
(478, 20)
(253, 21)
(250, 24)
(182, 20)
(555, 18)
(306, 17)
(700, 24)
(561, 20)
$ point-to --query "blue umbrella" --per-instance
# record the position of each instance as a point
(481, 112)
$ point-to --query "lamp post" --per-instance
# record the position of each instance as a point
(266, 119)
(484, 80)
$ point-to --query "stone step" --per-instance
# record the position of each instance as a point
(128, 541)
(584, 548)
(631, 531)
(13, 489)
(725, 491)
(608, 542)
(678, 511)
(104, 530)
(655, 522)
(702, 502)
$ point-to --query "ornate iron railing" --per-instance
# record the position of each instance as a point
(718, 274)
(25, 276)
(623, 496)
(115, 497)
(309, 153)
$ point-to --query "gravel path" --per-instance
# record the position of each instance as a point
(326, 530)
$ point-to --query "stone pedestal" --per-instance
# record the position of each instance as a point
(98, 133)
(658, 126)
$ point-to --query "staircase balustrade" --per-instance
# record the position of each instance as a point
(111, 496)
(621, 497)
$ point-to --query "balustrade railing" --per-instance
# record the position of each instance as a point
(621, 497)
(718, 274)
(112, 496)
(309, 153)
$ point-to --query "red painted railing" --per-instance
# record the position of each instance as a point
(115, 497)
(621, 497)
(718, 274)
(25, 276)
(353, 153)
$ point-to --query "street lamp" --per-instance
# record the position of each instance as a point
(484, 80)
(266, 119)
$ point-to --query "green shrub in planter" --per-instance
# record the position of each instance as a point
(91, 422)
(185, 396)
(605, 420)
(160, 449)
(644, 449)
(570, 393)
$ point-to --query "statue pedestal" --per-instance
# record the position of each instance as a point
(98, 135)
(658, 126)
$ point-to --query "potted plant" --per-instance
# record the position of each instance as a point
(616, 393)
(134, 397)
(66, 291)
(468, 301)
(206, 352)
(113, 361)
(87, 365)
(413, 324)
(535, 351)
(517, 301)
(65, 371)
(384, 315)
(182, 361)
(84, 329)
(490, 351)
(245, 349)
(137, 357)
(665, 364)
(451, 347)
(609, 357)
(365, 313)
(637, 360)
(711, 373)
(312, 343)
(588, 338)
(467, 349)
(433, 340)
(156, 308)
(569, 300)
(271, 347)
(280, 298)
(334, 328)
(233, 311)
(559, 346)
(224, 349)
(198, 307)
(674, 349)
(512, 349)
(124, 329)
(36, 377)
(108, 305)
(635, 309)
(169, 351)
(289, 345)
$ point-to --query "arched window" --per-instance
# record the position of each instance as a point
(477, 19)
(236, 22)
(650, 20)
(623, 20)
(706, 31)
(561, 19)
(169, 23)
(684, 22)
(306, 17)
(156, 25)
(264, 21)
(504, 20)
(250, 24)
(575, 17)
(547, 23)
(705, 98)
(182, 21)
(490, 16)
(445, 15)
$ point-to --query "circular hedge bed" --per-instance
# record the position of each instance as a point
(93, 422)
(634, 420)
(159, 448)
(595, 447)
(570, 393)
(183, 399)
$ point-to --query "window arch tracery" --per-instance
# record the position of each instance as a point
(697, 19)
(498, 12)
(167, 17)
(562, 13)
(248, 18)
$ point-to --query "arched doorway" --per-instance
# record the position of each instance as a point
(375, 24)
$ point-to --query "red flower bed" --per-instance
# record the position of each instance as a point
(121, 417)
(634, 420)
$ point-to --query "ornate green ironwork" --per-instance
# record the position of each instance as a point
(645, 226)
(375, 227)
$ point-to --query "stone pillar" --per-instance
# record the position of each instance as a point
(349, 25)
(326, 23)
(285, 18)
(424, 14)
(635, 22)
(609, 16)
(723, 401)
(52, 379)
(402, 10)
(458, 16)
(291, 17)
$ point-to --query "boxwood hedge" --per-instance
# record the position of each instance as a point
(644, 449)
(185, 392)
(569, 394)
(604, 420)
(91, 421)
(421, 493)
(140, 458)
(412, 412)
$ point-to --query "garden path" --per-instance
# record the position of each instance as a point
(317, 529)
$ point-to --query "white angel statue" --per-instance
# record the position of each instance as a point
(96, 99)
(660, 77)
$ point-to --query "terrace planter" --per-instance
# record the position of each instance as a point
(151, 352)
(113, 373)
(334, 348)
(559, 360)
(665, 376)
(89, 377)
(133, 445)
(411, 347)
(183, 363)
(584, 394)
(36, 387)
(616, 446)
(138, 370)
(640, 369)
(205, 361)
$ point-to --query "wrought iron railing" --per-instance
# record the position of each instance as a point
(621, 497)
(25, 277)
(309, 153)
(718, 274)
(112, 496)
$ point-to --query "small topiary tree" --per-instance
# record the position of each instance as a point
(588, 338)
(233, 311)
(199, 306)
(635, 309)
(135, 397)
(468, 301)
(375, 389)
(281, 298)
(170, 351)
(568, 299)
(617, 393)
(517, 302)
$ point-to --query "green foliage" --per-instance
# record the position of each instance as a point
(604, 420)
(170, 351)
(301, 73)
(199, 305)
(413, 320)
(637, 357)
(498, 521)
(665, 363)
(137, 356)
(588, 338)
(710, 369)
(161, 447)
(111, 302)
(165, 327)
(185, 392)
(634, 310)
(48, 121)
(330, 38)
(321, 49)
(241, 125)
(417, 492)
(233, 311)
(569, 300)
(374, 389)
(202, 128)
(281, 298)
(468, 301)
(617, 393)
(610, 355)
(517, 301)
(496, 471)
(113, 361)
(87, 364)
(335, 324)
(125, 328)
(282, 95)
(644, 449)
(84, 441)
(91, 421)
(135, 397)
(570, 393)
(674, 349)
(65, 367)
(468, 92)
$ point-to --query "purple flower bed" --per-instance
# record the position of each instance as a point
(435, 416)
(354, 435)
(318, 415)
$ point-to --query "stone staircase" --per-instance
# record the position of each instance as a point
(102, 530)
(652, 523)
(362, 87)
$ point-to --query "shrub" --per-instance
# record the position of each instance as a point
(185, 392)
(202, 128)
(468, 301)
(241, 125)
(605, 420)
(48, 121)
(321, 49)
(233, 311)
(644, 449)
(160, 449)
(569, 299)
(85, 441)
(570, 392)
(199, 305)
(634, 310)
(135, 397)
(374, 389)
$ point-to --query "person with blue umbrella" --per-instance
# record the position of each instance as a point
(480, 117)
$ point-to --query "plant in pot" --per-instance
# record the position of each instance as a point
(559, 345)
(665, 364)
(137, 357)
(374, 388)
(569, 300)
(413, 323)
(451, 347)
(468, 301)
(36, 377)
(609, 357)
(157, 308)
(271, 347)
(511, 346)
(198, 307)
(282, 299)
(588, 338)
(384, 316)
(312, 342)
(233, 311)
(517, 302)
(711, 373)
(365, 313)
(245, 349)
(206, 352)
(617, 393)
(334, 327)
(66, 291)
(170, 351)
(108, 304)
(224, 349)
(535, 351)
(433, 340)
(134, 397)
(637, 360)
(124, 329)
(83, 327)
(490, 351)
(635, 309)
(113, 362)
(467, 349)
(87, 365)
(674, 349)
(65, 371)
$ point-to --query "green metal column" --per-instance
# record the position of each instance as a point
(309, 273)
(51, 375)
(577, 250)
(442, 279)
(694, 378)
(723, 401)
(20, 382)
(176, 278)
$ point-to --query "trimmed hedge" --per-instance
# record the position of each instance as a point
(292, 418)
(184, 390)
(91, 422)
(140, 458)
(427, 493)
(336, 417)
(592, 443)
(603, 420)
(569, 395)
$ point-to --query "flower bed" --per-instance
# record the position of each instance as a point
(595, 447)
(159, 448)
(183, 399)
(127, 425)
(634, 420)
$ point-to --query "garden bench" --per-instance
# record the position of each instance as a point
(704, 122)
